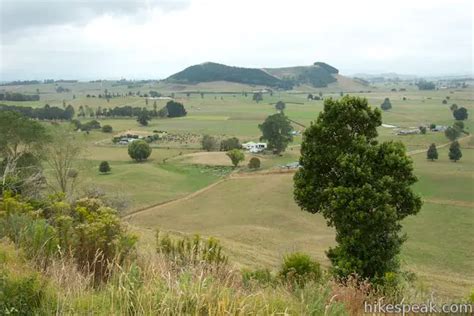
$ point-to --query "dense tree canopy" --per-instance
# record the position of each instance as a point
(19, 136)
(425, 85)
(361, 187)
(45, 113)
(230, 143)
(276, 130)
(209, 143)
(139, 150)
(460, 114)
(455, 153)
(175, 109)
(280, 105)
(386, 105)
(432, 153)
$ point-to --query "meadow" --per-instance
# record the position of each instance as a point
(255, 215)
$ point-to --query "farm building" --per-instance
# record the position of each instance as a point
(439, 128)
(254, 147)
(408, 131)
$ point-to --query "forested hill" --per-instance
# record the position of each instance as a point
(208, 72)
(317, 75)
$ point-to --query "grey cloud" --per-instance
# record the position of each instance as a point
(18, 15)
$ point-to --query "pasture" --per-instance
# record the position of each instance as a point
(255, 216)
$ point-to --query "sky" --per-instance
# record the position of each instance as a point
(152, 39)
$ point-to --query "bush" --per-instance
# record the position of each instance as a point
(209, 143)
(104, 167)
(107, 129)
(300, 268)
(254, 163)
(20, 296)
(191, 251)
(230, 143)
(236, 156)
(139, 150)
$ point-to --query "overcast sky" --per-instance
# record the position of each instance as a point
(91, 39)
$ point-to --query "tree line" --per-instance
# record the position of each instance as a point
(16, 96)
(45, 113)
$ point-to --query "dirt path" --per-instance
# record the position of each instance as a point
(420, 151)
(250, 175)
(231, 176)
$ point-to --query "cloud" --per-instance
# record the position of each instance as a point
(153, 39)
(17, 15)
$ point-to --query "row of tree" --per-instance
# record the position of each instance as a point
(16, 96)
(45, 113)
(454, 154)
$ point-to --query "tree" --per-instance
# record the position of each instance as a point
(460, 114)
(230, 143)
(360, 186)
(107, 129)
(444, 101)
(175, 109)
(459, 125)
(422, 130)
(310, 96)
(19, 136)
(425, 85)
(257, 97)
(280, 106)
(452, 133)
(455, 153)
(62, 156)
(386, 105)
(69, 112)
(143, 117)
(254, 163)
(139, 150)
(104, 167)
(453, 107)
(236, 156)
(277, 131)
(209, 143)
(432, 153)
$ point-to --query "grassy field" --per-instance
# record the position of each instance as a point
(255, 216)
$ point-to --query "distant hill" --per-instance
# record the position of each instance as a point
(318, 75)
(208, 72)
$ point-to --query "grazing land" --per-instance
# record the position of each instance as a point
(253, 212)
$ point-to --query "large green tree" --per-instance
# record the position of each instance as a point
(361, 187)
(277, 131)
(432, 153)
(19, 137)
(455, 153)
(139, 150)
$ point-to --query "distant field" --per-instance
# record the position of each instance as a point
(255, 216)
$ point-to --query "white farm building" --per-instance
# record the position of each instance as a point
(254, 147)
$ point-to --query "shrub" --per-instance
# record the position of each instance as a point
(422, 130)
(386, 105)
(236, 156)
(209, 143)
(190, 251)
(139, 150)
(104, 167)
(230, 143)
(107, 129)
(254, 163)
(300, 268)
(460, 114)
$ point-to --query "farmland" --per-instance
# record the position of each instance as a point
(254, 215)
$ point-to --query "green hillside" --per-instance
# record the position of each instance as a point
(318, 75)
(208, 72)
